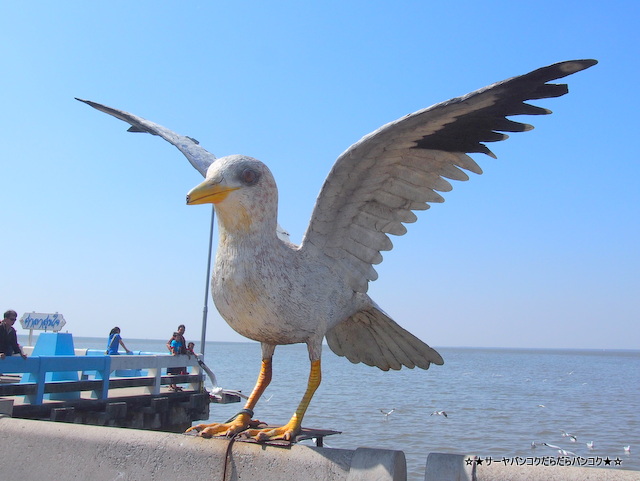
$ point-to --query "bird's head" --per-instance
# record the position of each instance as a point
(243, 192)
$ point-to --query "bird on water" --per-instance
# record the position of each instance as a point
(275, 292)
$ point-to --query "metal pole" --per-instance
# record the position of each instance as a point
(206, 289)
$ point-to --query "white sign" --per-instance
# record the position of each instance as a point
(42, 322)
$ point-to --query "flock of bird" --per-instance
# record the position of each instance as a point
(573, 438)
(387, 413)
(274, 292)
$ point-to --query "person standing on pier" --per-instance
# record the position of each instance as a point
(190, 348)
(177, 347)
(8, 336)
(179, 337)
(114, 341)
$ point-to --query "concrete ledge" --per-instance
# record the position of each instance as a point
(453, 467)
(49, 450)
(377, 464)
(6, 406)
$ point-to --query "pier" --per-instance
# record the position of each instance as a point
(89, 387)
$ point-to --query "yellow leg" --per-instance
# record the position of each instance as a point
(264, 379)
(243, 419)
(289, 430)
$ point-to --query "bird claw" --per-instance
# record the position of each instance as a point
(218, 429)
(285, 432)
(239, 424)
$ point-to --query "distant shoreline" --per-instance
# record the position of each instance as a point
(22, 338)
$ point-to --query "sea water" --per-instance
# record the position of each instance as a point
(498, 401)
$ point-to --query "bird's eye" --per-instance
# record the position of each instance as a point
(249, 176)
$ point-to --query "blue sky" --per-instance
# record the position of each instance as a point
(539, 251)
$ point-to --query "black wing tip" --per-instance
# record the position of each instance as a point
(571, 66)
(96, 105)
(132, 120)
(562, 69)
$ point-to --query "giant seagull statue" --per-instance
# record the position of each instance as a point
(276, 292)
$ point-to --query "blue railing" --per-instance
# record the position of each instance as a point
(71, 375)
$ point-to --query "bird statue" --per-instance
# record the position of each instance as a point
(275, 292)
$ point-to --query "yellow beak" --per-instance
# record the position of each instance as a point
(208, 193)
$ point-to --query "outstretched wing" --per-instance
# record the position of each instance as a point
(197, 156)
(375, 185)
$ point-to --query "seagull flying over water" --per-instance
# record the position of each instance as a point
(275, 292)
(439, 413)
(561, 451)
(386, 413)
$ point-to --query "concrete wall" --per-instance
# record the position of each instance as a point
(36, 450)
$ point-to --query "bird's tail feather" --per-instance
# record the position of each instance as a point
(370, 336)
